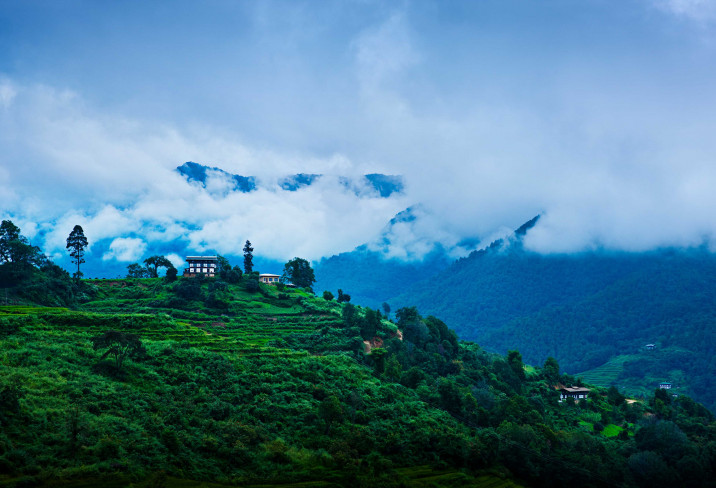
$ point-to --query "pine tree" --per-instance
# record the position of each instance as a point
(76, 243)
(248, 258)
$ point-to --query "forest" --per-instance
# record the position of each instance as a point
(593, 311)
(207, 382)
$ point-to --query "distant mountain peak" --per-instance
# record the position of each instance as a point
(368, 186)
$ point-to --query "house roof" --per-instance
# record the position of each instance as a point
(269, 274)
(210, 258)
(575, 389)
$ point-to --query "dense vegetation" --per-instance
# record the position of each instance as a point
(208, 382)
(594, 312)
(273, 386)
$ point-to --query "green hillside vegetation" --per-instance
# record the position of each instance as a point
(586, 310)
(201, 382)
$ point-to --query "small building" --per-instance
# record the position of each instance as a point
(269, 279)
(650, 347)
(665, 385)
(200, 265)
(576, 392)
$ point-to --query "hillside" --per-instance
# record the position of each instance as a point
(273, 386)
(585, 309)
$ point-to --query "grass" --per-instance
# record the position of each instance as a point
(611, 430)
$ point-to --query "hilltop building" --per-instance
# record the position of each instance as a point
(665, 385)
(200, 265)
(650, 347)
(269, 279)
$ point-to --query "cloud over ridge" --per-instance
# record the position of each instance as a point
(608, 137)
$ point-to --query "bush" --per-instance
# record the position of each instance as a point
(252, 285)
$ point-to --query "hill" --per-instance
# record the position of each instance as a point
(585, 309)
(588, 310)
(239, 384)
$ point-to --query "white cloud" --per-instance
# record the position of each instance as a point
(698, 10)
(125, 249)
(176, 260)
(611, 137)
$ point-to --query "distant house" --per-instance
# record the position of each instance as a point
(269, 279)
(200, 265)
(650, 347)
(576, 392)
(665, 385)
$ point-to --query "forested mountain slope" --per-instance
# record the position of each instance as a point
(584, 309)
(230, 383)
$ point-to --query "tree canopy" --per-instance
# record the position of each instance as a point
(119, 345)
(299, 272)
(153, 264)
(248, 257)
(76, 243)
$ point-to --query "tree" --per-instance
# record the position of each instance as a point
(343, 297)
(248, 257)
(76, 243)
(514, 359)
(16, 251)
(153, 264)
(386, 309)
(234, 275)
(171, 274)
(330, 410)
(327, 295)
(299, 272)
(119, 345)
(9, 232)
(550, 370)
(136, 270)
(223, 266)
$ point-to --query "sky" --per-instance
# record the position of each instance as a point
(598, 115)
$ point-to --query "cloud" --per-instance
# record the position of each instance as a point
(384, 51)
(125, 249)
(115, 177)
(176, 260)
(606, 131)
(697, 10)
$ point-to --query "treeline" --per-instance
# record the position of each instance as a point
(28, 276)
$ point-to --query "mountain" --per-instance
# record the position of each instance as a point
(372, 184)
(194, 172)
(228, 382)
(370, 275)
(585, 310)
(594, 312)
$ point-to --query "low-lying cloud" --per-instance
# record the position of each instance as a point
(611, 141)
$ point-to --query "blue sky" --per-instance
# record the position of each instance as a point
(598, 114)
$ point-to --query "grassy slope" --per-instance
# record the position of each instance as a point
(236, 395)
(52, 359)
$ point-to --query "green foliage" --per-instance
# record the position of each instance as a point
(248, 258)
(136, 270)
(327, 295)
(171, 275)
(153, 263)
(76, 243)
(299, 272)
(277, 390)
(119, 345)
